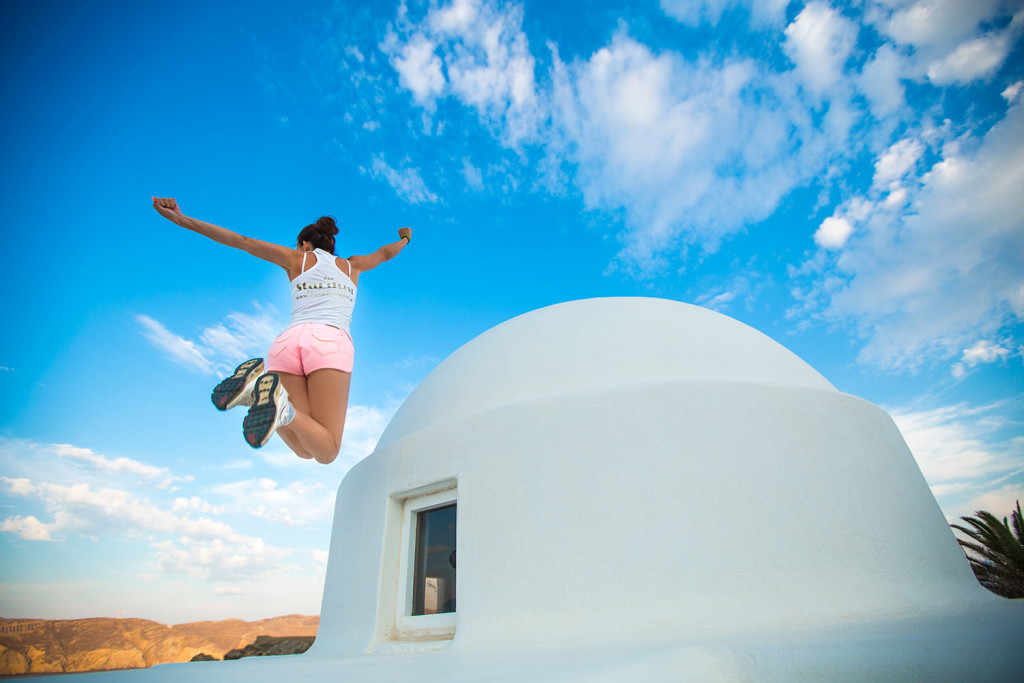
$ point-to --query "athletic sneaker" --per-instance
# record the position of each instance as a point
(236, 390)
(270, 410)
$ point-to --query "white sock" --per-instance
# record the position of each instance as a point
(286, 416)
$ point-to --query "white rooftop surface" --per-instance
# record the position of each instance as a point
(593, 344)
(646, 491)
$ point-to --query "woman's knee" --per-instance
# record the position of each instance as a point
(326, 459)
(327, 456)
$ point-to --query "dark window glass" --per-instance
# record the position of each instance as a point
(434, 584)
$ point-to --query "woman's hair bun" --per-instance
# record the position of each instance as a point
(325, 226)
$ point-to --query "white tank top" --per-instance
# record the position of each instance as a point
(324, 294)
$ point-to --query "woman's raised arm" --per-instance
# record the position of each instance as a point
(361, 264)
(268, 251)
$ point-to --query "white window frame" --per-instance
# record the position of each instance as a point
(422, 626)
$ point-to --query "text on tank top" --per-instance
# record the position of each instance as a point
(323, 293)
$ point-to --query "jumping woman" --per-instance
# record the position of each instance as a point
(301, 392)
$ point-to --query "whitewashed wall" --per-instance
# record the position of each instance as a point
(637, 468)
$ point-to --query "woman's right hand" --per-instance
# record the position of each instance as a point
(168, 208)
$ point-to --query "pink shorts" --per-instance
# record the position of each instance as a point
(306, 347)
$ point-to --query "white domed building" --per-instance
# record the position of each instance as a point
(642, 490)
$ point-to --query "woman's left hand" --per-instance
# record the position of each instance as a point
(168, 208)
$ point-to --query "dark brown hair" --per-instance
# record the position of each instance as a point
(320, 234)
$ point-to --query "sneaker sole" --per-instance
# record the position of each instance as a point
(228, 393)
(258, 425)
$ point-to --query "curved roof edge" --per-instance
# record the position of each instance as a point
(592, 344)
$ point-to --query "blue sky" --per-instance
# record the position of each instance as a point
(845, 177)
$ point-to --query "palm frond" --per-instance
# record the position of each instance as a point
(1018, 524)
(995, 551)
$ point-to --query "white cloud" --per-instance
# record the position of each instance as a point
(28, 528)
(161, 476)
(950, 41)
(219, 559)
(407, 182)
(965, 457)
(187, 535)
(946, 444)
(196, 504)
(456, 17)
(1013, 91)
(833, 233)
(682, 147)
(474, 178)
(928, 280)
(363, 427)
(222, 345)
(896, 162)
(182, 351)
(202, 547)
(971, 60)
(1000, 502)
(881, 81)
(819, 41)
(937, 24)
(982, 352)
(419, 69)
(687, 151)
(80, 508)
(19, 485)
(242, 335)
(296, 503)
(716, 300)
(696, 12)
(486, 56)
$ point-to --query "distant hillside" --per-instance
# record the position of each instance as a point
(54, 646)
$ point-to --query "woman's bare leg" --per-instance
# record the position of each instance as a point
(295, 385)
(317, 430)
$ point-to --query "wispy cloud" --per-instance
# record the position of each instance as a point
(819, 42)
(180, 350)
(27, 527)
(242, 335)
(219, 560)
(296, 503)
(78, 508)
(964, 456)
(982, 352)
(186, 534)
(86, 457)
(221, 345)
(696, 12)
(692, 149)
(363, 427)
(406, 182)
(475, 52)
(910, 277)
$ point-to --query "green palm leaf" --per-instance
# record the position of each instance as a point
(995, 551)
